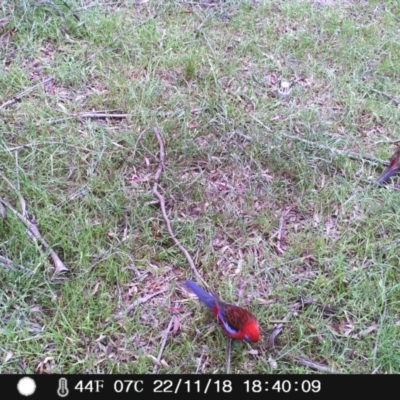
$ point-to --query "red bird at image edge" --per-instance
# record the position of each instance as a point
(391, 169)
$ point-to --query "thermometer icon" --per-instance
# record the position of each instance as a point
(62, 390)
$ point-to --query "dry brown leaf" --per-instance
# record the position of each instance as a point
(164, 363)
(272, 362)
(193, 125)
(365, 332)
(2, 211)
(3, 22)
(345, 327)
(101, 337)
(317, 220)
(176, 324)
(368, 330)
(9, 355)
(58, 264)
(95, 289)
(132, 289)
(63, 108)
(7, 37)
(154, 359)
(46, 365)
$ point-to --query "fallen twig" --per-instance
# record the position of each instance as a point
(70, 9)
(8, 264)
(279, 328)
(197, 31)
(137, 142)
(240, 134)
(199, 363)
(35, 144)
(326, 310)
(349, 154)
(98, 115)
(310, 364)
(397, 102)
(81, 192)
(228, 355)
(25, 92)
(21, 199)
(161, 199)
(375, 351)
(139, 301)
(19, 362)
(58, 264)
(163, 343)
(281, 231)
(84, 115)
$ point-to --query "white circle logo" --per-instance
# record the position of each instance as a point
(26, 386)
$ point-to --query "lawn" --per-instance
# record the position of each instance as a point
(270, 193)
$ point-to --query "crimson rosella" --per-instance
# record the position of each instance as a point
(236, 322)
(392, 168)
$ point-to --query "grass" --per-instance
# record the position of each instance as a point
(266, 219)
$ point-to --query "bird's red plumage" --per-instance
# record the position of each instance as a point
(236, 322)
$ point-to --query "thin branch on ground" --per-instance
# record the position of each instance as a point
(376, 346)
(240, 134)
(35, 144)
(137, 142)
(58, 264)
(386, 141)
(80, 193)
(310, 364)
(281, 231)
(349, 154)
(326, 310)
(197, 31)
(139, 301)
(228, 355)
(20, 363)
(279, 328)
(199, 363)
(70, 9)
(6, 263)
(397, 102)
(161, 199)
(25, 92)
(163, 343)
(17, 175)
(86, 115)
(98, 115)
(21, 198)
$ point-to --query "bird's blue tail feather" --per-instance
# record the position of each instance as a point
(205, 297)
